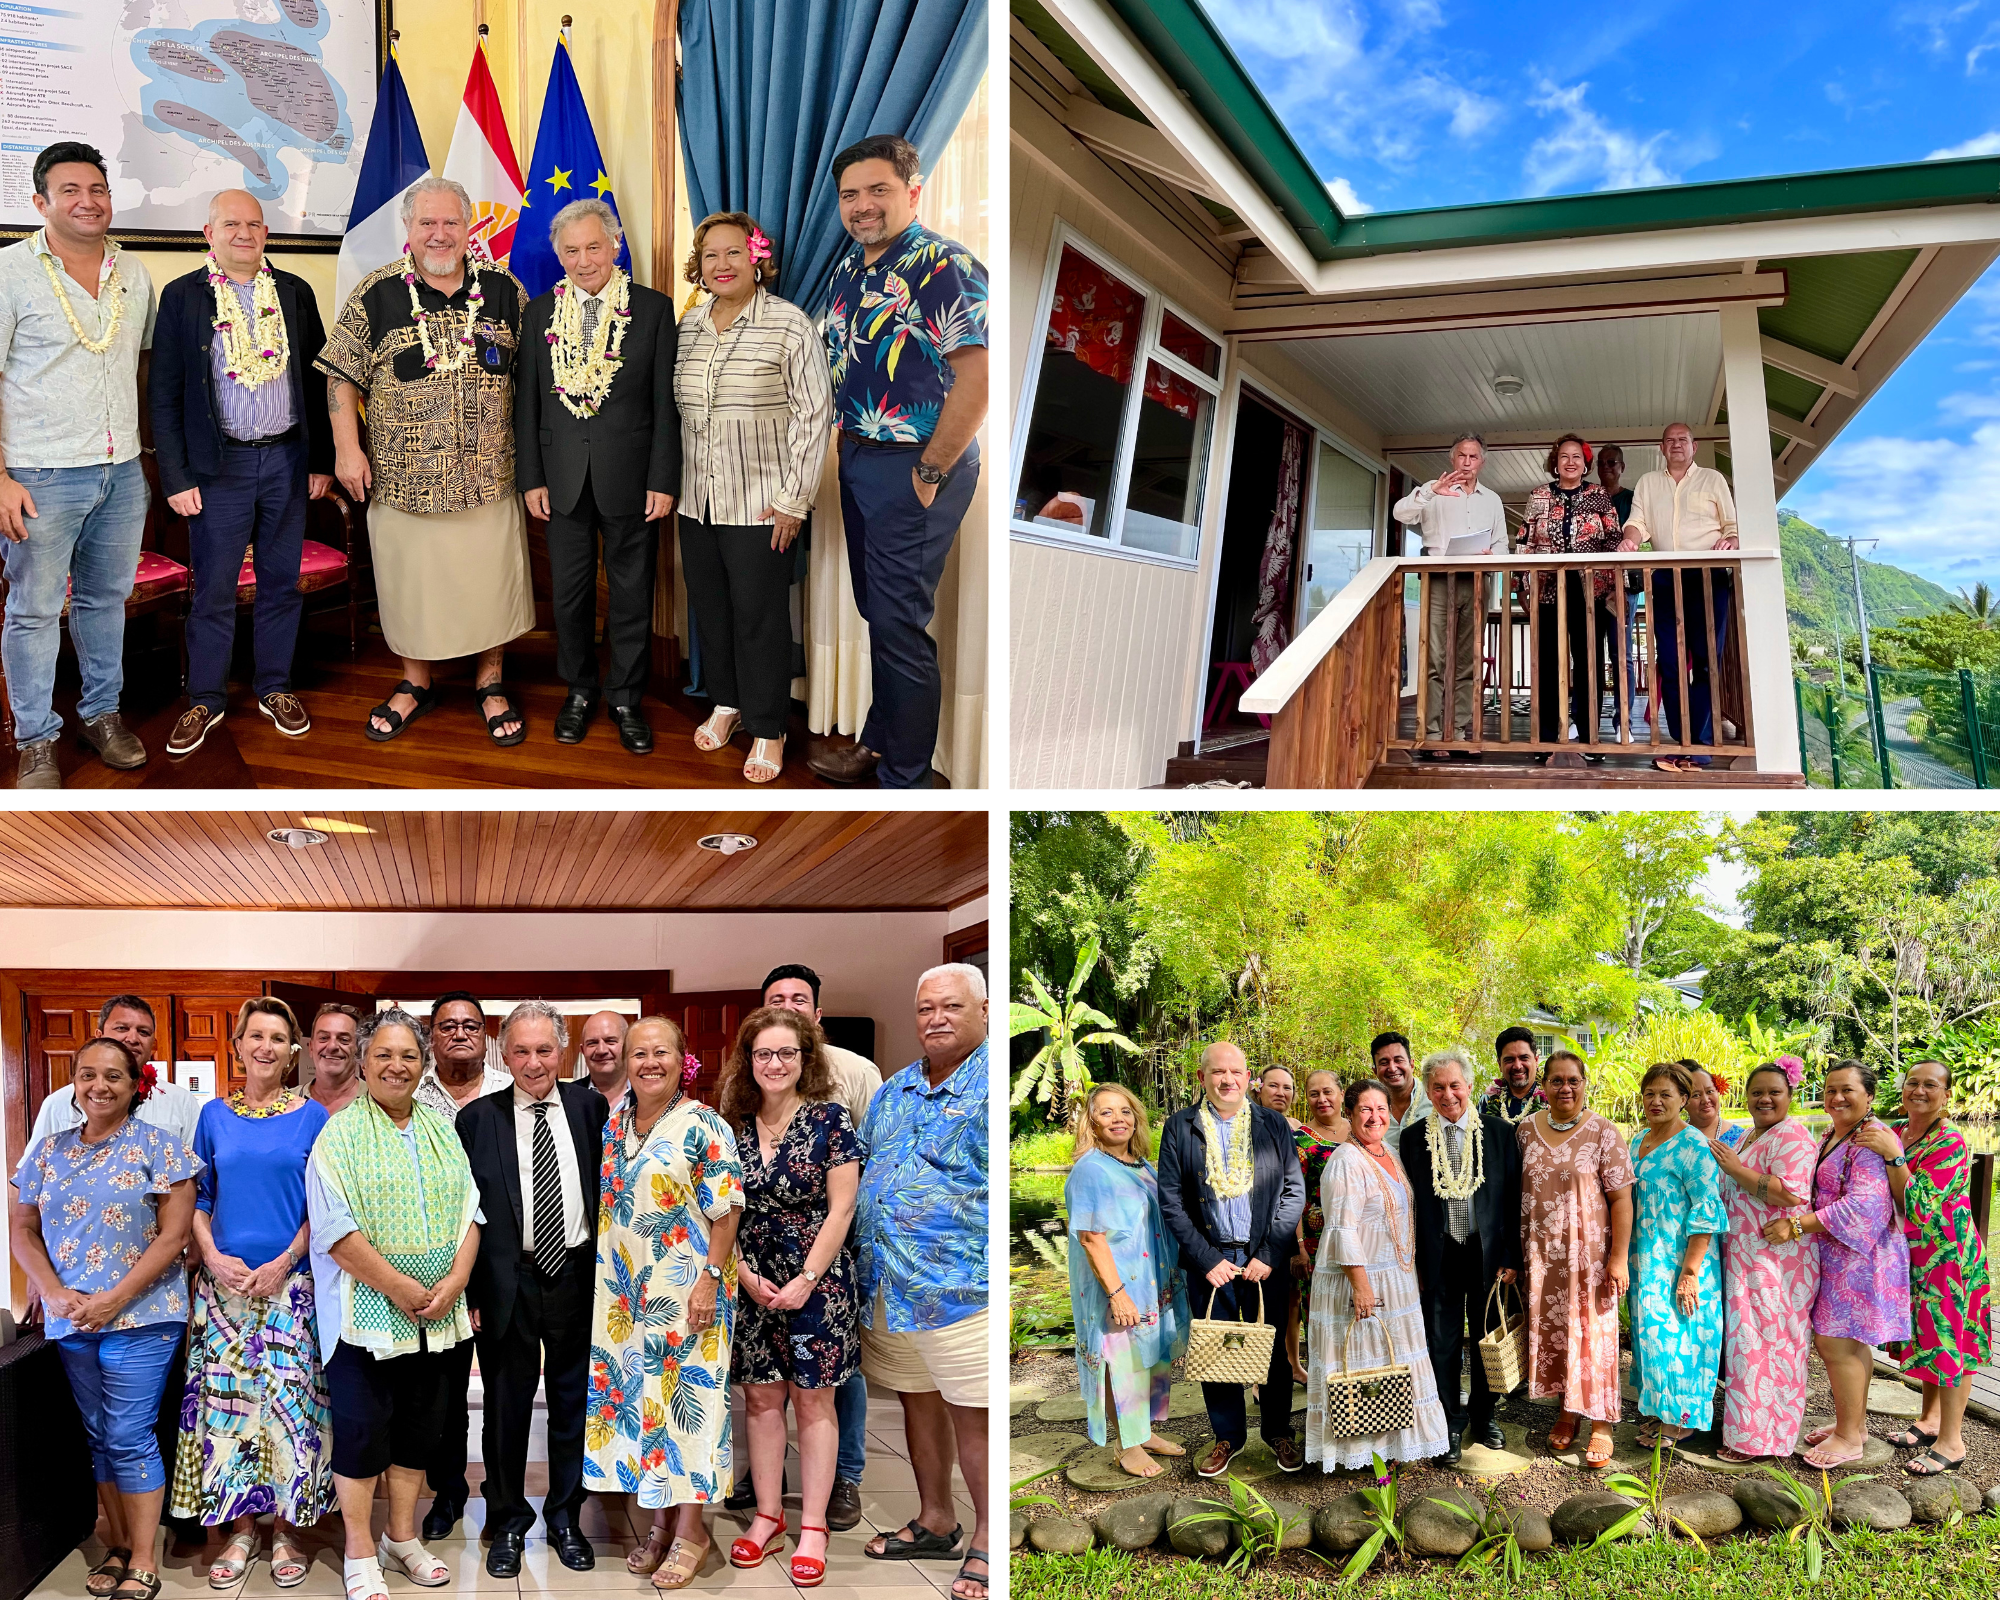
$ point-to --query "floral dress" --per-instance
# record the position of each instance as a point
(656, 1421)
(1675, 1358)
(1313, 1154)
(1566, 1245)
(1950, 1320)
(1864, 1260)
(1768, 1292)
(785, 1205)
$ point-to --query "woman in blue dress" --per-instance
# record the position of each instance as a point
(1676, 1296)
(1126, 1289)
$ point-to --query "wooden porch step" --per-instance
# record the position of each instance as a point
(1237, 763)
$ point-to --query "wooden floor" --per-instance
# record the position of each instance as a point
(448, 749)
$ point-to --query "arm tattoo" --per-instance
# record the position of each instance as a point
(1764, 1188)
(333, 393)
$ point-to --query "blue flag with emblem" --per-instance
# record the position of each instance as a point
(566, 166)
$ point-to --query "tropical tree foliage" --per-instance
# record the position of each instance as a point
(1058, 1075)
(1651, 861)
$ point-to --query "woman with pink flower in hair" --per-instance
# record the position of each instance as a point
(1767, 1289)
(756, 405)
(102, 1213)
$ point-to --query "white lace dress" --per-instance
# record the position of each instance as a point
(1367, 1220)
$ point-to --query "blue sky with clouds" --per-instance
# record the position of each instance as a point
(1407, 103)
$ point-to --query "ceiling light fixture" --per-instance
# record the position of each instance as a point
(1506, 385)
(297, 838)
(727, 844)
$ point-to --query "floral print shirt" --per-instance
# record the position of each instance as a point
(1565, 522)
(100, 1210)
(921, 1212)
(890, 327)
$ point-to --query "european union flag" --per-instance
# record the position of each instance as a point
(566, 166)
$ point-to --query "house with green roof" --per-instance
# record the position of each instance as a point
(1223, 384)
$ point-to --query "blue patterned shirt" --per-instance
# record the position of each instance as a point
(891, 326)
(921, 1210)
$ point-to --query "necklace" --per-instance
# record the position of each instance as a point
(625, 1134)
(1232, 1173)
(112, 285)
(239, 1102)
(1464, 1183)
(435, 359)
(1401, 1237)
(256, 351)
(777, 1134)
(1563, 1127)
(583, 367)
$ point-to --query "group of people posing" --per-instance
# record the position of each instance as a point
(589, 407)
(334, 1254)
(1387, 1222)
(1683, 507)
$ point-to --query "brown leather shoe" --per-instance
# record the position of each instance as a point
(286, 712)
(112, 740)
(1290, 1456)
(843, 1506)
(191, 730)
(37, 767)
(842, 763)
(1216, 1462)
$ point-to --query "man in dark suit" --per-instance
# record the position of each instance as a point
(534, 1150)
(243, 441)
(1244, 1236)
(1468, 1238)
(597, 445)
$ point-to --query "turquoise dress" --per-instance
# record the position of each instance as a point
(1103, 1195)
(1675, 1358)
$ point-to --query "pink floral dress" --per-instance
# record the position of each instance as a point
(1767, 1298)
(1566, 1240)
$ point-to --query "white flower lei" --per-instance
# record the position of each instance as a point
(583, 372)
(1464, 1183)
(254, 355)
(1230, 1174)
(434, 359)
(1497, 1100)
(113, 285)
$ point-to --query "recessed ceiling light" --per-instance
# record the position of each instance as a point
(727, 844)
(297, 838)
(1506, 385)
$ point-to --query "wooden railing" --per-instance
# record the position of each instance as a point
(1354, 689)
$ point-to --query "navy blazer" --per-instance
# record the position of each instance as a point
(1496, 1208)
(1277, 1192)
(486, 1129)
(187, 424)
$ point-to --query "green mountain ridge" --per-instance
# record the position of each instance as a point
(1819, 584)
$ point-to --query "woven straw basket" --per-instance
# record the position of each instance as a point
(1367, 1402)
(1229, 1352)
(1503, 1351)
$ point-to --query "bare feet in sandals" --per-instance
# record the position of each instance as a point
(718, 730)
(1139, 1464)
(1156, 1446)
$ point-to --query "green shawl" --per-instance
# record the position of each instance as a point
(363, 1157)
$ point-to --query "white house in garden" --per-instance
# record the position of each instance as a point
(1222, 384)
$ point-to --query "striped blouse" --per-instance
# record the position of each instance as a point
(756, 412)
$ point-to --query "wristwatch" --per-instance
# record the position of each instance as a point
(936, 477)
(808, 1274)
(713, 1271)
(1897, 1161)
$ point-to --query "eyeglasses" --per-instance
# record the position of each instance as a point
(763, 1058)
(466, 1025)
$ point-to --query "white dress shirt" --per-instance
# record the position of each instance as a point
(575, 1229)
(1477, 520)
(1419, 1108)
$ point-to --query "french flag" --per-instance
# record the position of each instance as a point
(393, 160)
(482, 158)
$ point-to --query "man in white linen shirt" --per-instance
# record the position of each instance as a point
(1459, 516)
(128, 1019)
(1685, 507)
(76, 318)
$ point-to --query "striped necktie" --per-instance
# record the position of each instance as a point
(549, 1234)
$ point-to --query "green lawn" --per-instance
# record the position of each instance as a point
(1960, 1563)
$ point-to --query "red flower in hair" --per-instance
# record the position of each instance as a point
(760, 247)
(690, 1069)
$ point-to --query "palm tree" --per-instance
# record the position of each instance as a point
(1058, 1076)
(1979, 606)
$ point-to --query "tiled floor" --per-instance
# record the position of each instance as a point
(888, 1499)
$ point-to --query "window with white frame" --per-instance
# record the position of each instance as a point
(1115, 451)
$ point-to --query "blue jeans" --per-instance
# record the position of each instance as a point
(260, 500)
(850, 1410)
(117, 1378)
(896, 551)
(84, 535)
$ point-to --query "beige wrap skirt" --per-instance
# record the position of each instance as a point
(452, 583)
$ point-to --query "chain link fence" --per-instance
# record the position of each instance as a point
(1906, 730)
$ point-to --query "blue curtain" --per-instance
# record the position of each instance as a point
(772, 90)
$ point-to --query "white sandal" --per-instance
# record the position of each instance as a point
(423, 1567)
(767, 766)
(231, 1568)
(365, 1580)
(709, 736)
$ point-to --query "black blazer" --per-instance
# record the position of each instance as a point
(632, 445)
(486, 1129)
(1277, 1192)
(187, 424)
(1496, 1208)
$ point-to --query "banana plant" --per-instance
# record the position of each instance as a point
(1059, 1077)
(1767, 1044)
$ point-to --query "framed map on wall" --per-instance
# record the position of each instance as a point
(188, 97)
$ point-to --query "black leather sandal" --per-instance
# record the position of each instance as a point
(513, 713)
(925, 1546)
(116, 1563)
(426, 702)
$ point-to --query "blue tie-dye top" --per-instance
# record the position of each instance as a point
(890, 327)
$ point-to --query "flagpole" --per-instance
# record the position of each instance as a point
(666, 32)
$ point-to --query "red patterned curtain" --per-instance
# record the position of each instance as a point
(1274, 570)
(1096, 319)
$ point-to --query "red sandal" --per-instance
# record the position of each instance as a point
(808, 1572)
(747, 1552)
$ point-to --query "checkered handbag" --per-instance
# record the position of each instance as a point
(1367, 1402)
(1503, 1351)
(1229, 1352)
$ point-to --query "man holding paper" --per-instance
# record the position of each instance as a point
(1458, 517)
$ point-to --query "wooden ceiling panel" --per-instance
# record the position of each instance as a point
(493, 860)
